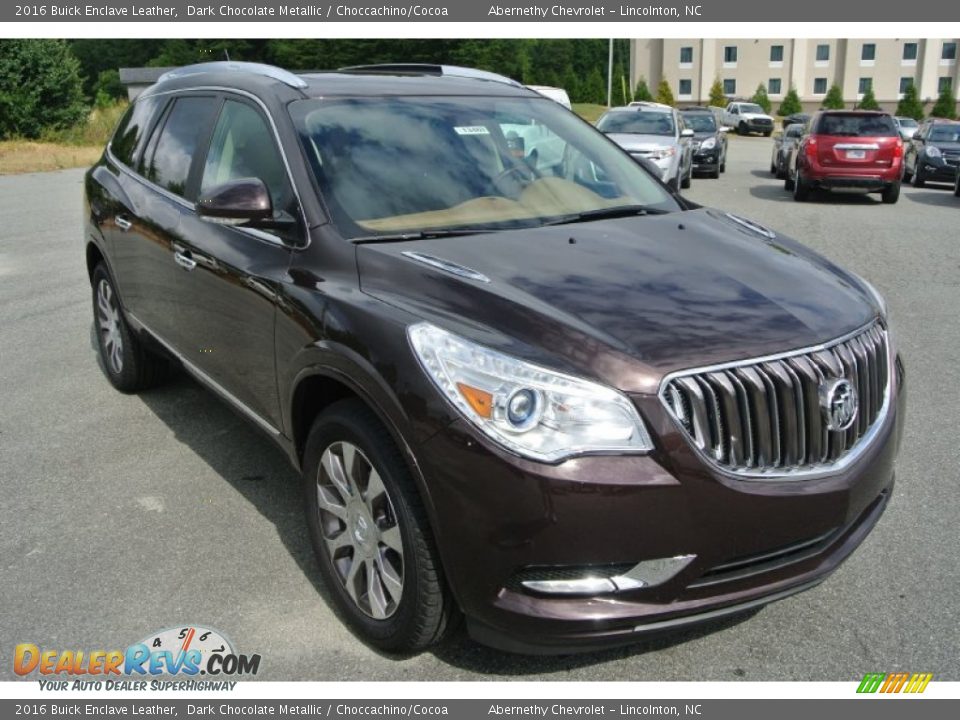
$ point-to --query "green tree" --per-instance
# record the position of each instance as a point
(594, 88)
(571, 83)
(664, 93)
(834, 98)
(910, 105)
(946, 105)
(40, 87)
(108, 89)
(791, 103)
(869, 100)
(761, 98)
(717, 96)
(642, 91)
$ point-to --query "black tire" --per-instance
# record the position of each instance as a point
(129, 366)
(723, 163)
(687, 179)
(425, 610)
(742, 129)
(956, 185)
(774, 169)
(918, 179)
(788, 181)
(907, 175)
(714, 174)
(674, 182)
(767, 133)
(801, 191)
(891, 193)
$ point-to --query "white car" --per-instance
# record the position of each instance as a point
(653, 132)
(747, 117)
(554, 93)
(906, 126)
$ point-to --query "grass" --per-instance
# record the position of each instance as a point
(78, 146)
(589, 111)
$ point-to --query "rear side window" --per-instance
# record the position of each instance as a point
(131, 133)
(184, 129)
(855, 125)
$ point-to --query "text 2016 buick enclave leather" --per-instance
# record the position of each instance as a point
(523, 380)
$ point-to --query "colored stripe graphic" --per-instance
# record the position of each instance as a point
(895, 682)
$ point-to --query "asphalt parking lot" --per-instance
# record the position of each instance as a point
(122, 515)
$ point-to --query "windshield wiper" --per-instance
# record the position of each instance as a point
(608, 213)
(420, 235)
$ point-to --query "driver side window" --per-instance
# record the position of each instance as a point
(243, 147)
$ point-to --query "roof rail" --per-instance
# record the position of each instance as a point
(431, 69)
(284, 76)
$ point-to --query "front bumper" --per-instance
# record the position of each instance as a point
(706, 160)
(939, 170)
(754, 541)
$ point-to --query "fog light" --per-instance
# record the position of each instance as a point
(601, 580)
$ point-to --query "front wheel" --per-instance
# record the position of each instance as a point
(918, 179)
(956, 185)
(128, 365)
(370, 532)
(742, 129)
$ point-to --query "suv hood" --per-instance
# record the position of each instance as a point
(625, 300)
(755, 116)
(642, 143)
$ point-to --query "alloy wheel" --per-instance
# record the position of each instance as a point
(359, 527)
(108, 320)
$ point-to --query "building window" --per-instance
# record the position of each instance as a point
(686, 55)
(686, 88)
(819, 86)
(909, 51)
(774, 86)
(823, 53)
(868, 52)
(949, 51)
(944, 83)
(730, 54)
(729, 86)
(905, 83)
(865, 85)
(776, 53)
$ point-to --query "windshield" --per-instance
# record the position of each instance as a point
(945, 133)
(854, 125)
(386, 166)
(637, 123)
(700, 122)
(907, 122)
(751, 108)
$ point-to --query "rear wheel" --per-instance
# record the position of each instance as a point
(801, 191)
(891, 193)
(687, 179)
(128, 365)
(370, 532)
(956, 185)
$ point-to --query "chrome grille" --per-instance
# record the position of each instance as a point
(765, 417)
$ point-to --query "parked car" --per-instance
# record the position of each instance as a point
(933, 154)
(654, 131)
(554, 93)
(709, 142)
(795, 119)
(560, 400)
(907, 126)
(847, 149)
(747, 117)
(783, 144)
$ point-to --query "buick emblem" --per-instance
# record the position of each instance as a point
(838, 401)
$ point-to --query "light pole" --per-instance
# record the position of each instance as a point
(610, 74)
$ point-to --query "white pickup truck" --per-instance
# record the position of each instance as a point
(747, 117)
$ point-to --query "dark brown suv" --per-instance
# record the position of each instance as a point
(523, 380)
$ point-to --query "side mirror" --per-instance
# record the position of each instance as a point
(237, 202)
(688, 133)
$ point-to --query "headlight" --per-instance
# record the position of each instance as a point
(708, 144)
(530, 410)
(663, 153)
(933, 152)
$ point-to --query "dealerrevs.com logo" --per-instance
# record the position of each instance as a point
(183, 651)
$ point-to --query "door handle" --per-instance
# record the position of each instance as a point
(183, 259)
(122, 223)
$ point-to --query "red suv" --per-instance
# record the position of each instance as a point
(848, 149)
